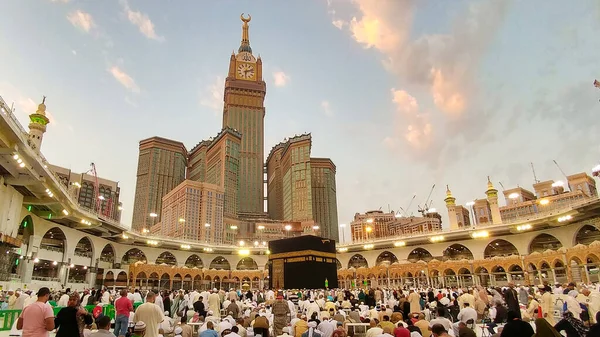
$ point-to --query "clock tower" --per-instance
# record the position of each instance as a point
(244, 111)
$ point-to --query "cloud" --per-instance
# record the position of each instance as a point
(440, 69)
(326, 107)
(74, 52)
(280, 78)
(143, 22)
(81, 20)
(339, 24)
(212, 95)
(410, 122)
(61, 1)
(123, 78)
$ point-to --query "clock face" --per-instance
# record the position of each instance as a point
(245, 71)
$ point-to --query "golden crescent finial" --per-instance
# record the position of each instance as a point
(244, 19)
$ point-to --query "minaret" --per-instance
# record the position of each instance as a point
(492, 197)
(451, 205)
(37, 126)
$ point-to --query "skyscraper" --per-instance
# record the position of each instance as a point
(161, 167)
(244, 111)
(301, 189)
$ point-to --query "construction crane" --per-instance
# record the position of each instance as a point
(503, 189)
(405, 211)
(98, 199)
(563, 173)
(535, 179)
(423, 210)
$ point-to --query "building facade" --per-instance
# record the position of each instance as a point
(376, 225)
(103, 200)
(194, 211)
(300, 188)
(161, 167)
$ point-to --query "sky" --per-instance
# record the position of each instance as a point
(400, 94)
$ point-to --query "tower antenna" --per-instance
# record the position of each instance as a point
(563, 173)
(535, 179)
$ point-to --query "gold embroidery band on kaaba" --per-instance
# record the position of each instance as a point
(302, 253)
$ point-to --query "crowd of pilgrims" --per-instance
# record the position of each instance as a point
(511, 311)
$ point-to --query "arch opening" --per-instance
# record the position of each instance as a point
(386, 258)
(499, 247)
(544, 242)
(220, 263)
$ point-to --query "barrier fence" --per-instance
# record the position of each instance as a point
(9, 317)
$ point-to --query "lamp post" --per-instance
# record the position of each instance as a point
(153, 216)
(470, 204)
(288, 228)
(514, 197)
(343, 227)
(206, 231)
(369, 228)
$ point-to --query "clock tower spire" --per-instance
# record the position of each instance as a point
(244, 111)
(245, 46)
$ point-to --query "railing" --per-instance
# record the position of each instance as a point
(8, 318)
(51, 248)
(45, 278)
(83, 254)
(6, 110)
(23, 135)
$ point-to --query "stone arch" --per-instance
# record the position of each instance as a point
(543, 242)
(499, 247)
(419, 254)
(84, 248)
(165, 281)
(154, 280)
(560, 270)
(133, 255)
(109, 279)
(457, 252)
(108, 253)
(167, 258)
(338, 264)
(386, 257)
(194, 261)
(220, 262)
(54, 240)
(247, 263)
(25, 229)
(121, 280)
(357, 261)
(586, 235)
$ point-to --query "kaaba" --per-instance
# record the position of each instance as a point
(304, 262)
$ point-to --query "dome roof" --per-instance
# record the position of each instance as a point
(245, 47)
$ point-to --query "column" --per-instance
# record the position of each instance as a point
(508, 277)
(90, 277)
(553, 275)
(587, 273)
(63, 273)
(26, 270)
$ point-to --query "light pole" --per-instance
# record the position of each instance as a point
(343, 227)
(288, 228)
(206, 229)
(369, 228)
(470, 204)
(514, 197)
(153, 216)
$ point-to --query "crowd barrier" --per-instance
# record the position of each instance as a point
(8, 317)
